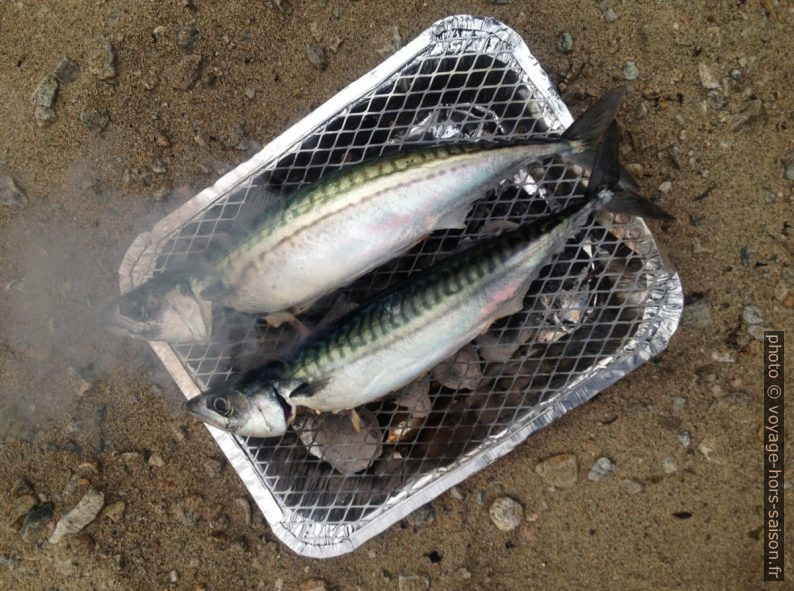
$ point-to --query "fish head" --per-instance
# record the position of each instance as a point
(252, 412)
(164, 308)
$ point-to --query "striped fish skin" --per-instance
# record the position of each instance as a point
(333, 232)
(395, 339)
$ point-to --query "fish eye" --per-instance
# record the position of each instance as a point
(134, 308)
(222, 406)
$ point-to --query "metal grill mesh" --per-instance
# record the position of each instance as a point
(589, 305)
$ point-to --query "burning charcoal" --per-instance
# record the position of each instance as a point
(333, 438)
(405, 429)
(461, 371)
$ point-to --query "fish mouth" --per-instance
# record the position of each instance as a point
(197, 406)
(119, 324)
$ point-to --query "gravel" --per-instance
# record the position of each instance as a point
(96, 121)
(10, 193)
(601, 469)
(630, 71)
(36, 521)
(697, 314)
(565, 42)
(83, 513)
(632, 487)
(101, 62)
(707, 79)
(423, 516)
(186, 36)
(66, 71)
(752, 314)
(506, 513)
(115, 511)
(559, 470)
(610, 15)
(187, 72)
(316, 56)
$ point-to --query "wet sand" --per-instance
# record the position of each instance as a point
(710, 79)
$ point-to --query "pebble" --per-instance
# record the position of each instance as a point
(669, 466)
(610, 15)
(314, 585)
(565, 42)
(9, 561)
(665, 187)
(393, 43)
(10, 193)
(115, 511)
(250, 93)
(35, 522)
(455, 493)
(83, 513)
(789, 167)
(781, 291)
(66, 70)
(245, 509)
(464, 574)
(630, 71)
(45, 92)
(317, 57)
(212, 468)
(22, 505)
(186, 36)
(559, 470)
(707, 79)
(685, 438)
(187, 72)
(150, 79)
(752, 314)
(601, 468)
(95, 121)
(101, 62)
(158, 167)
(506, 513)
(641, 111)
(423, 516)
(173, 576)
(156, 460)
(412, 582)
(723, 356)
(679, 402)
(736, 74)
(697, 314)
(189, 509)
(632, 487)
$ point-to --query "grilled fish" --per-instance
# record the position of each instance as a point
(402, 334)
(294, 250)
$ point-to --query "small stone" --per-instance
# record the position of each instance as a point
(669, 466)
(35, 522)
(716, 99)
(685, 438)
(723, 356)
(464, 574)
(630, 71)
(212, 468)
(455, 493)
(8, 561)
(314, 585)
(412, 583)
(161, 139)
(697, 247)
(173, 577)
(601, 468)
(559, 470)
(565, 42)
(187, 72)
(10, 193)
(506, 513)
(101, 62)
(316, 57)
(752, 314)
(158, 167)
(44, 116)
(789, 167)
(21, 506)
(245, 509)
(189, 510)
(150, 79)
(423, 516)
(393, 43)
(95, 121)
(45, 92)
(610, 15)
(129, 457)
(83, 513)
(679, 402)
(186, 36)
(707, 79)
(66, 70)
(781, 291)
(665, 187)
(250, 93)
(115, 511)
(631, 486)
(156, 460)
(641, 111)
(697, 314)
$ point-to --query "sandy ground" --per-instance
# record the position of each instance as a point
(696, 521)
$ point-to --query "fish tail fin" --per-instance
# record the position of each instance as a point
(589, 126)
(605, 182)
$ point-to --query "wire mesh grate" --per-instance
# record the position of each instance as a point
(595, 302)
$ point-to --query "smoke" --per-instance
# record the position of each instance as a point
(60, 258)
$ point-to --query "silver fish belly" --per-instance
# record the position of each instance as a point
(336, 231)
(397, 338)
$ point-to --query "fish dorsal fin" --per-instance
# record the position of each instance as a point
(605, 173)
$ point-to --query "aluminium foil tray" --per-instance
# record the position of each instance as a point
(601, 308)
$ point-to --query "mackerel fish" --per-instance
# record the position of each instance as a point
(402, 334)
(292, 251)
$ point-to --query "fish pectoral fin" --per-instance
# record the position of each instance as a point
(454, 219)
(214, 291)
(512, 306)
